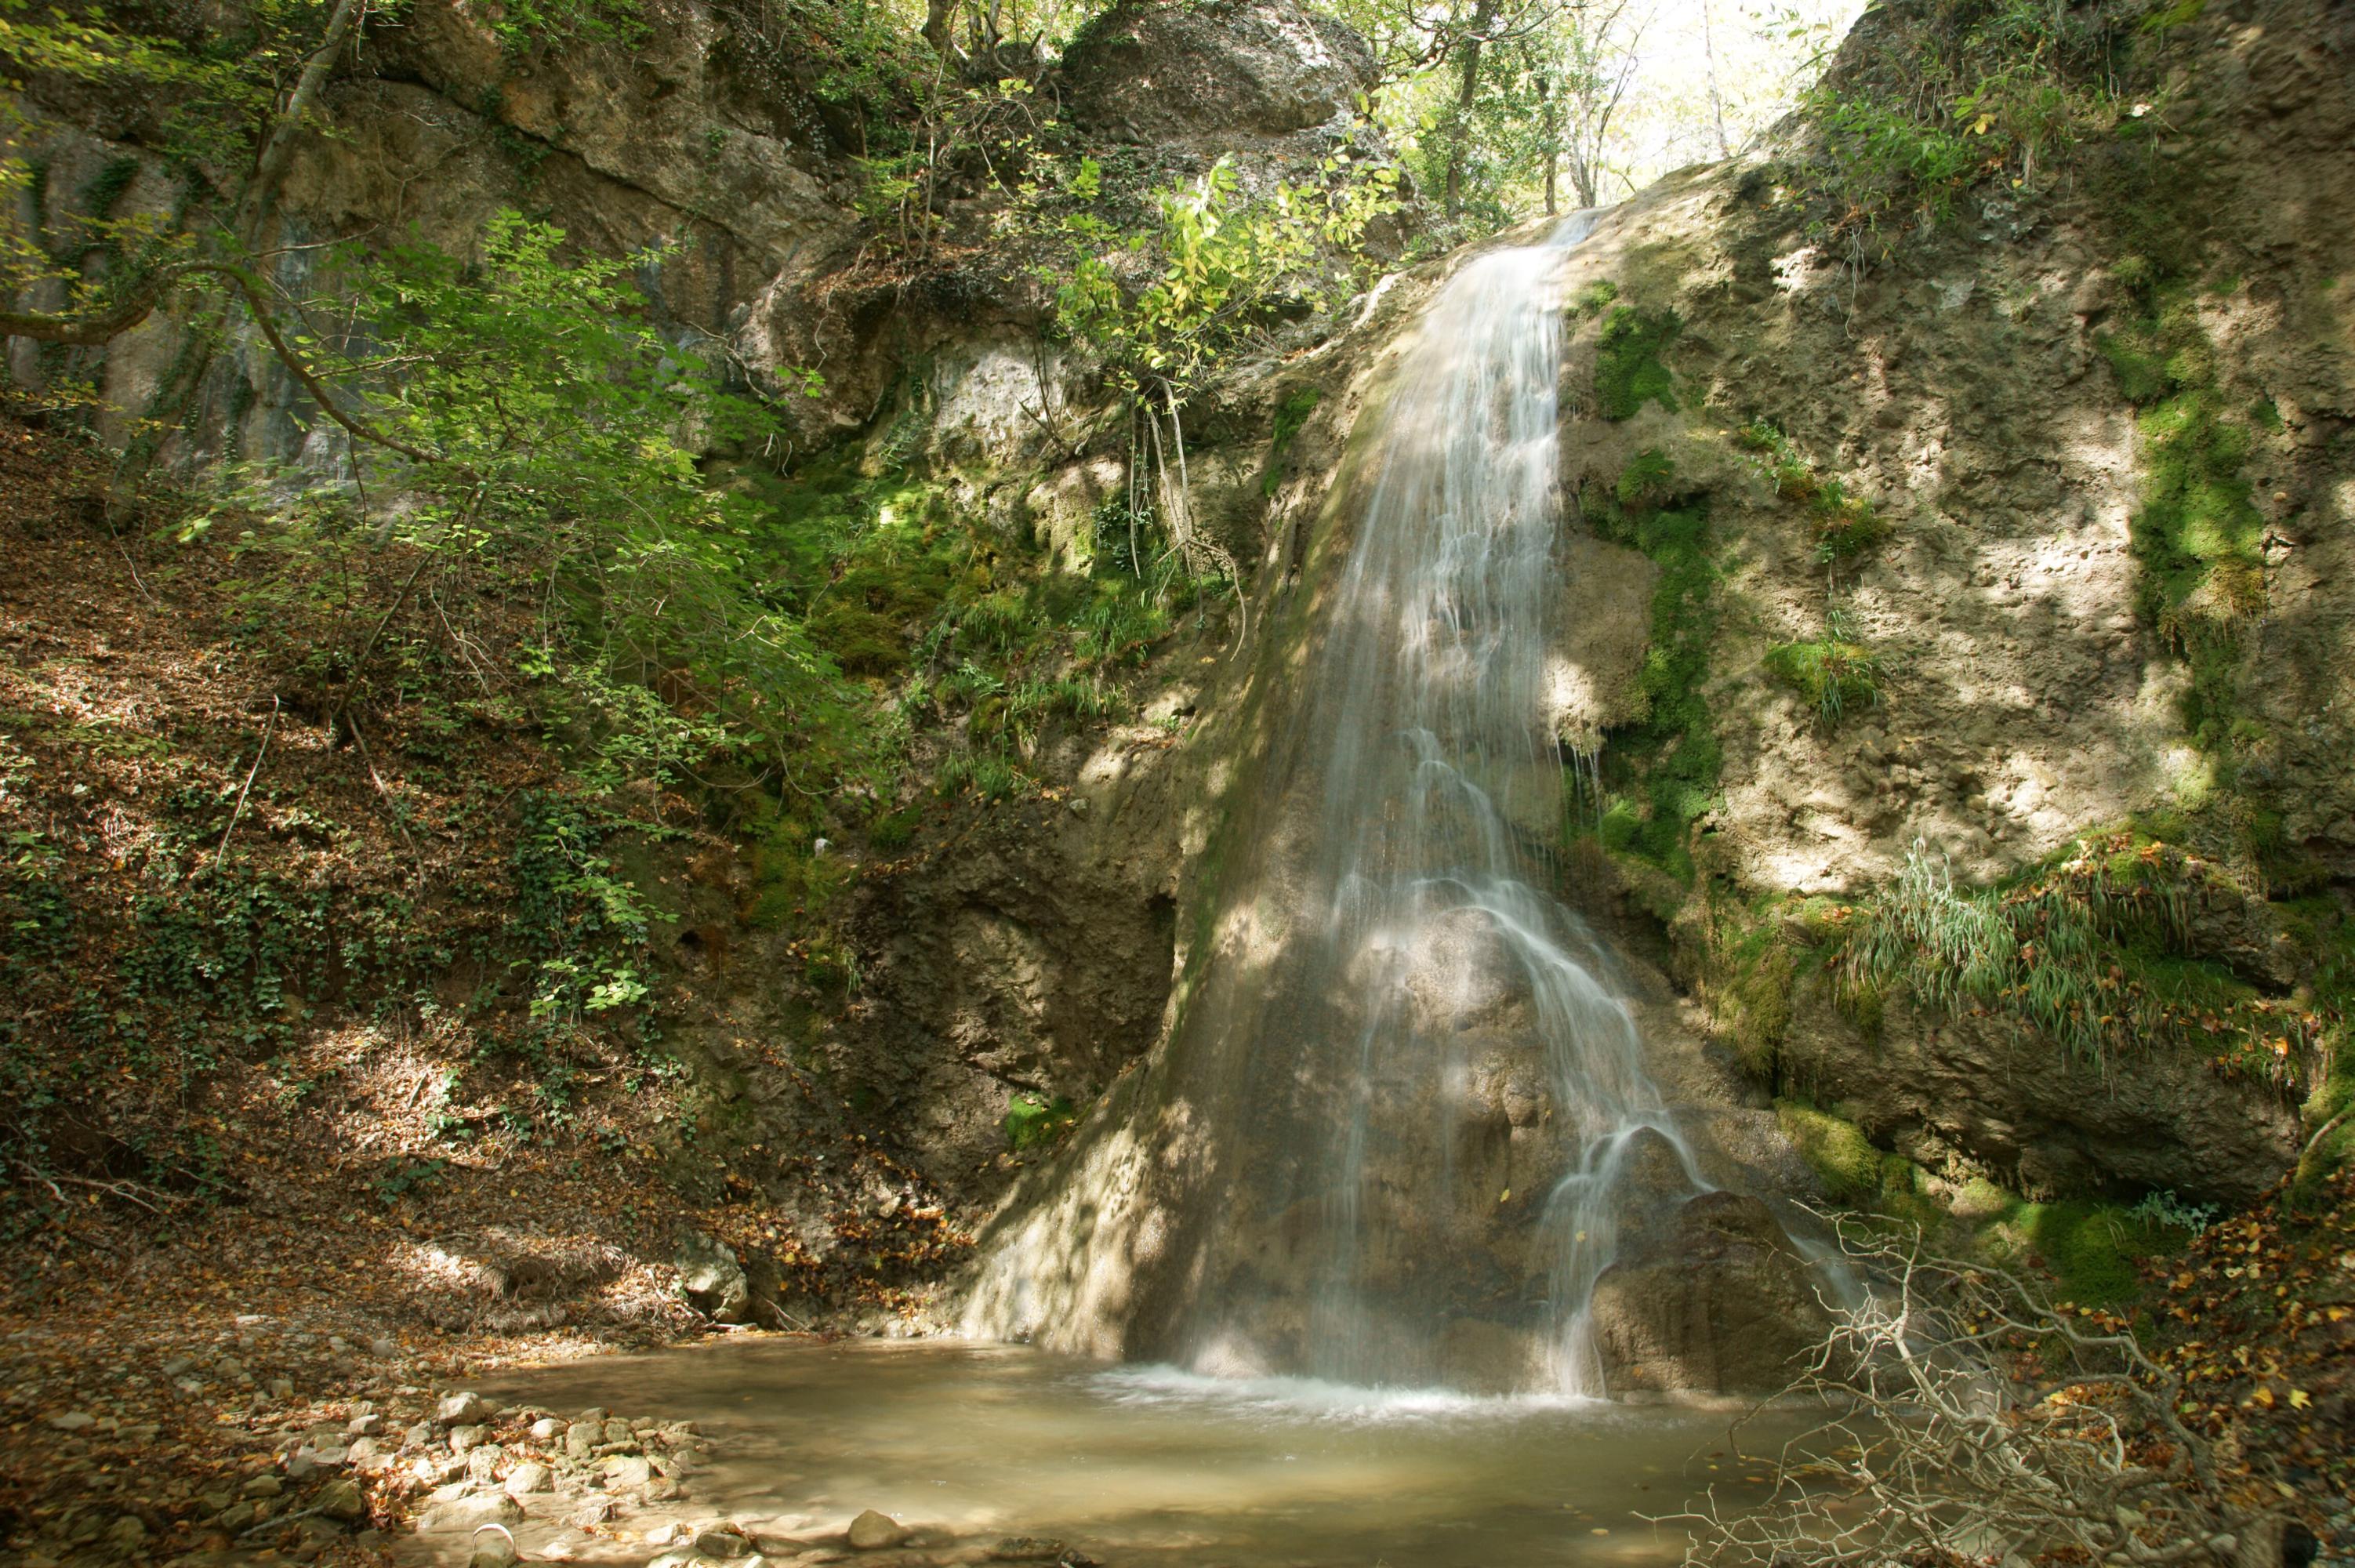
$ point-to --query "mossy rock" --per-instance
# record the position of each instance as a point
(1628, 371)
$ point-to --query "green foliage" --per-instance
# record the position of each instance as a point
(2091, 1250)
(520, 25)
(1219, 263)
(583, 925)
(2096, 951)
(1851, 1169)
(2164, 1209)
(1840, 526)
(1591, 300)
(567, 432)
(1648, 480)
(1834, 674)
(1627, 369)
(1033, 1121)
(1974, 90)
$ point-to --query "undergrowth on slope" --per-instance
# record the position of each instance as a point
(2097, 950)
(1978, 90)
(2093, 1250)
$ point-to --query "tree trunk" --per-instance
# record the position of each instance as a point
(1716, 99)
(1552, 116)
(938, 14)
(168, 405)
(1453, 196)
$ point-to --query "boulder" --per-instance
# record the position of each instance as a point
(1713, 1300)
(1240, 69)
(712, 1280)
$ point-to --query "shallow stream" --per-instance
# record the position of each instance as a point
(1141, 1465)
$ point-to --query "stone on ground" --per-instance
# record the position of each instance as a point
(874, 1531)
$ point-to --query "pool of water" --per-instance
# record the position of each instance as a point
(1148, 1465)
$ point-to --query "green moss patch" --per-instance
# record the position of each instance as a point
(1661, 773)
(1033, 1120)
(1629, 372)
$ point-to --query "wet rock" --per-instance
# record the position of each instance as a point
(1715, 1300)
(1026, 1549)
(595, 1511)
(236, 1517)
(492, 1548)
(73, 1421)
(711, 1278)
(874, 1532)
(262, 1487)
(126, 1535)
(722, 1540)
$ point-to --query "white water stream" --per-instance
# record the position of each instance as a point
(1433, 688)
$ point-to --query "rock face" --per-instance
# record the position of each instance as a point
(711, 1278)
(1232, 67)
(1713, 1298)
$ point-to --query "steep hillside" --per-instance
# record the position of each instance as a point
(1951, 660)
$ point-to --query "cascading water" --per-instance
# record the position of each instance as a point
(1432, 690)
(1390, 1142)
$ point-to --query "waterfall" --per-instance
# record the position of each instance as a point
(1393, 1139)
(1432, 691)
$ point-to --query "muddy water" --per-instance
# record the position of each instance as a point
(1140, 1466)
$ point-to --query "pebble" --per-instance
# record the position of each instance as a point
(367, 1426)
(545, 1429)
(383, 1349)
(722, 1540)
(73, 1421)
(530, 1477)
(874, 1531)
(341, 1500)
(463, 1438)
(262, 1487)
